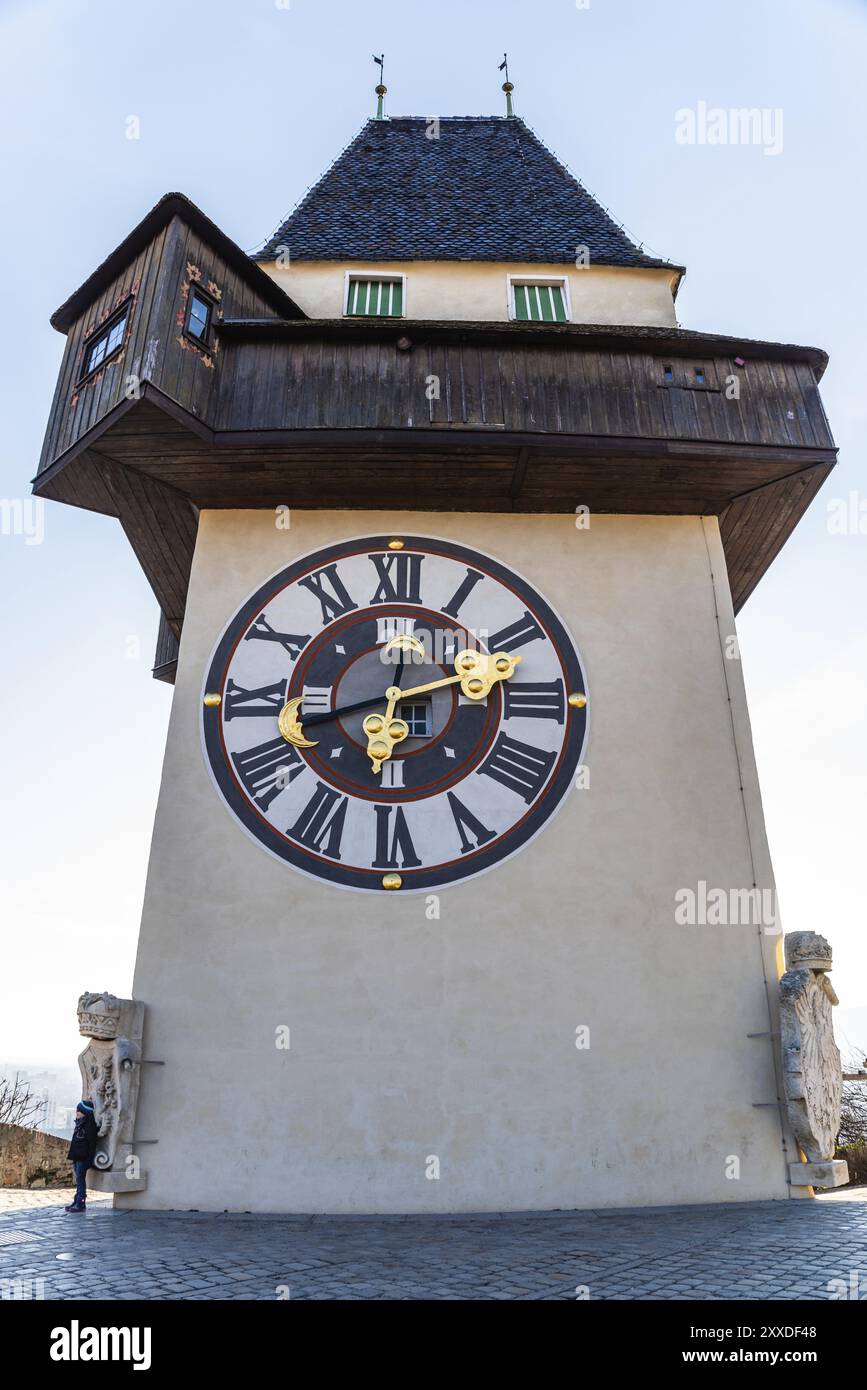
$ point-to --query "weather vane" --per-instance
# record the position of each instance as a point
(381, 88)
(508, 87)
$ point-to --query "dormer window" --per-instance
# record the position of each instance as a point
(105, 343)
(200, 312)
(535, 300)
(380, 296)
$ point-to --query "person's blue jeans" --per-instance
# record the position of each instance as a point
(80, 1169)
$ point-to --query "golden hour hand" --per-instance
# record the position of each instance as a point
(383, 732)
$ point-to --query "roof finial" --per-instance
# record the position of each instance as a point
(508, 87)
(381, 88)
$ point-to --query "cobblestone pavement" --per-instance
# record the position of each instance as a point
(777, 1250)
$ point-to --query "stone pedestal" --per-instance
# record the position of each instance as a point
(832, 1173)
(102, 1180)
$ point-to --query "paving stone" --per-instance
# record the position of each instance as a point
(776, 1250)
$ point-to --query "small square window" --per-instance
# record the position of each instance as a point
(699, 376)
(533, 301)
(418, 716)
(667, 374)
(380, 298)
(107, 341)
(199, 316)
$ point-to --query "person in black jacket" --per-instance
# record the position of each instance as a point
(82, 1151)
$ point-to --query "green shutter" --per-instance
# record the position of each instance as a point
(540, 303)
(377, 298)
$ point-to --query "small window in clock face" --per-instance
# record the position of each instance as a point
(418, 716)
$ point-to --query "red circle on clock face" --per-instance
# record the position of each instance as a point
(474, 780)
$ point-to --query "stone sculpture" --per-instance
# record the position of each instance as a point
(812, 1071)
(110, 1068)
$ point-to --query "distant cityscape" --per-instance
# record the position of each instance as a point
(55, 1089)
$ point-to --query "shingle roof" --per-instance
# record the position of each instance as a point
(487, 190)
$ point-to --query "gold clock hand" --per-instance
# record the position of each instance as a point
(477, 672)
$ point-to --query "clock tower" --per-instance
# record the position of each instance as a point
(459, 895)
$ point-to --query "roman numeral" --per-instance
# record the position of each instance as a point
(328, 587)
(399, 842)
(267, 769)
(518, 766)
(316, 699)
(399, 578)
(267, 699)
(544, 701)
(392, 773)
(462, 592)
(525, 630)
(465, 820)
(320, 824)
(288, 640)
(388, 628)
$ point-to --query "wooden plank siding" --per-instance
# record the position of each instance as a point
(319, 384)
(154, 348)
(166, 653)
(160, 525)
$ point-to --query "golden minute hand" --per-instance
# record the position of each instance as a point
(476, 671)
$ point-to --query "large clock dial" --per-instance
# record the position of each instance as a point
(394, 712)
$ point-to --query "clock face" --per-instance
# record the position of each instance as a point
(394, 713)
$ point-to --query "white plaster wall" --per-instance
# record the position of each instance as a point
(455, 1037)
(478, 290)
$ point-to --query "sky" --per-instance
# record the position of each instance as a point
(242, 104)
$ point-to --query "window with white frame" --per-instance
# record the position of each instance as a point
(539, 301)
(378, 296)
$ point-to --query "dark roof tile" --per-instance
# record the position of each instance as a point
(487, 190)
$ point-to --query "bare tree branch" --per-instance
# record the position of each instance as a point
(17, 1105)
